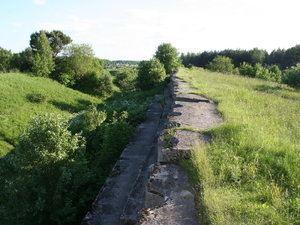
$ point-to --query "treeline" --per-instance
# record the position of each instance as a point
(280, 57)
(280, 65)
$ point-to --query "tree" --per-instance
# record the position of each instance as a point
(5, 56)
(221, 64)
(43, 63)
(57, 40)
(292, 56)
(168, 56)
(258, 56)
(80, 59)
(150, 73)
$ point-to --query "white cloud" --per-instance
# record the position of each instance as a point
(39, 2)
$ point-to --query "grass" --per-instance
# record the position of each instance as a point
(250, 172)
(22, 97)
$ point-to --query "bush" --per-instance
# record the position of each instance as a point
(246, 69)
(49, 175)
(292, 76)
(87, 121)
(124, 79)
(150, 74)
(36, 98)
(115, 138)
(221, 64)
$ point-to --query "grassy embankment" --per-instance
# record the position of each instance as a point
(250, 172)
(23, 97)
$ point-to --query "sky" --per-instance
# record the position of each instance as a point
(133, 29)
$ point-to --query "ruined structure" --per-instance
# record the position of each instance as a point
(146, 186)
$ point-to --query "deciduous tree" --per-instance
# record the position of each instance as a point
(168, 56)
(150, 73)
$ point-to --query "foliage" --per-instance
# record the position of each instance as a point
(258, 56)
(221, 64)
(5, 56)
(50, 173)
(43, 63)
(25, 60)
(273, 73)
(125, 79)
(248, 174)
(247, 69)
(56, 38)
(292, 76)
(36, 97)
(168, 56)
(150, 74)
(78, 60)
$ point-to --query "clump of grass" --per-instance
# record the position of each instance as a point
(254, 157)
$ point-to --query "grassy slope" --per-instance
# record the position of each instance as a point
(16, 110)
(250, 174)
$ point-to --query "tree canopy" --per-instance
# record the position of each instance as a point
(43, 63)
(57, 40)
(150, 73)
(168, 56)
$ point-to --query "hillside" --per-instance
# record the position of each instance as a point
(23, 97)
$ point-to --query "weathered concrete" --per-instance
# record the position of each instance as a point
(169, 198)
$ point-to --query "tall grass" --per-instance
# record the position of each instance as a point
(255, 154)
(23, 97)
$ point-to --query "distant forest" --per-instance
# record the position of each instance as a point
(280, 57)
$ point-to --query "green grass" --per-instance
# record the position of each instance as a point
(251, 172)
(23, 97)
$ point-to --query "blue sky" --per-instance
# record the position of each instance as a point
(132, 29)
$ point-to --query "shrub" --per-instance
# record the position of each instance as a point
(88, 120)
(221, 64)
(150, 74)
(36, 98)
(50, 172)
(292, 76)
(115, 138)
(124, 79)
(246, 69)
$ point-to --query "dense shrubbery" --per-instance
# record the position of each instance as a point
(221, 64)
(125, 79)
(54, 174)
(224, 64)
(292, 76)
(49, 175)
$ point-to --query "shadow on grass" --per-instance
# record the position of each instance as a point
(80, 105)
(279, 90)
